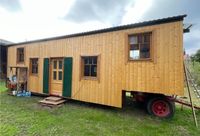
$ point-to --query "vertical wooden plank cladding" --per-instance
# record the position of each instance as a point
(46, 76)
(67, 77)
(161, 75)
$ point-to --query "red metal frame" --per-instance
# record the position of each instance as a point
(186, 103)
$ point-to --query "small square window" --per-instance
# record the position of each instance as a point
(139, 46)
(89, 66)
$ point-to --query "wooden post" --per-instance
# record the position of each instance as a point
(188, 87)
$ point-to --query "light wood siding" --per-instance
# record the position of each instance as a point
(163, 74)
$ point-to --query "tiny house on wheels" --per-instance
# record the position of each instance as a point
(99, 66)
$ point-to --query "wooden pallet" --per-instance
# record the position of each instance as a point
(52, 102)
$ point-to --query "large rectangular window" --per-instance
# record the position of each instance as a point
(89, 66)
(139, 46)
(20, 55)
(34, 66)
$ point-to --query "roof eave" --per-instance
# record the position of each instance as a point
(118, 28)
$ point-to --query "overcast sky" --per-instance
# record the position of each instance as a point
(24, 20)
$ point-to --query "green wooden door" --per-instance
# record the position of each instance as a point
(67, 77)
(46, 76)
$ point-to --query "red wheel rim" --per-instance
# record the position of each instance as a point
(160, 108)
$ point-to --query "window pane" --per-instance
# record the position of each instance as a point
(86, 60)
(134, 54)
(33, 69)
(145, 55)
(21, 50)
(20, 54)
(94, 60)
(90, 60)
(55, 64)
(147, 38)
(145, 51)
(134, 47)
(133, 40)
(36, 70)
(21, 57)
(54, 75)
(60, 64)
(94, 70)
(60, 75)
(34, 61)
(140, 38)
(87, 70)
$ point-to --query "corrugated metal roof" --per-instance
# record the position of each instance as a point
(111, 29)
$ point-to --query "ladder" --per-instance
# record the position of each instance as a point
(188, 88)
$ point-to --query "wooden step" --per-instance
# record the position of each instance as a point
(53, 98)
(52, 102)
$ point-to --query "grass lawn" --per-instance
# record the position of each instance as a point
(23, 116)
(2, 86)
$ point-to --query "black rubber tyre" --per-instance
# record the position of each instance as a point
(160, 107)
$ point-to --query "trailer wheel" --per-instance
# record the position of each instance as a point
(161, 107)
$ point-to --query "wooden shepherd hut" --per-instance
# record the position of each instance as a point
(98, 66)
